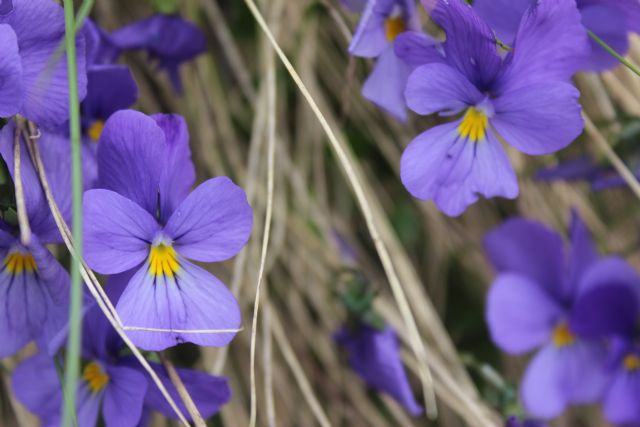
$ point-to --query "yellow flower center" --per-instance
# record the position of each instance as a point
(18, 262)
(95, 130)
(474, 125)
(631, 362)
(562, 336)
(95, 377)
(393, 27)
(163, 261)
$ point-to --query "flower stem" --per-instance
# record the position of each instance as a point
(609, 49)
(72, 363)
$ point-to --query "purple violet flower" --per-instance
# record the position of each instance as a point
(112, 384)
(524, 97)
(168, 38)
(33, 285)
(612, 21)
(538, 300)
(375, 356)
(144, 219)
(30, 31)
(381, 23)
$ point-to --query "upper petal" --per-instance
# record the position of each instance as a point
(438, 87)
(470, 46)
(503, 16)
(117, 232)
(130, 155)
(193, 299)
(549, 46)
(110, 88)
(583, 251)
(213, 223)
(520, 314)
(528, 248)
(11, 90)
(540, 118)
(416, 48)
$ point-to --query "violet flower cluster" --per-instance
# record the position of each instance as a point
(577, 309)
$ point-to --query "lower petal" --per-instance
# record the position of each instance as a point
(87, 406)
(385, 86)
(36, 385)
(127, 388)
(169, 307)
(621, 401)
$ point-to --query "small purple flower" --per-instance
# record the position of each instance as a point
(538, 300)
(113, 386)
(524, 97)
(168, 38)
(612, 21)
(381, 23)
(144, 219)
(30, 32)
(375, 356)
(514, 422)
(33, 285)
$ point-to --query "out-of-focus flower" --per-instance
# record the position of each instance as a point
(167, 38)
(354, 5)
(375, 356)
(524, 96)
(113, 385)
(32, 83)
(34, 286)
(154, 225)
(381, 23)
(612, 21)
(537, 300)
(514, 422)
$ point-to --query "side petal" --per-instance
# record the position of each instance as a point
(452, 171)
(530, 249)
(126, 389)
(550, 45)
(520, 314)
(11, 91)
(540, 118)
(130, 154)
(36, 385)
(621, 400)
(191, 300)
(213, 223)
(432, 88)
(117, 232)
(386, 84)
(209, 392)
(370, 38)
(416, 48)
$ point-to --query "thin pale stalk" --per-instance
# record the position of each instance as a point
(615, 54)
(23, 218)
(398, 292)
(72, 363)
(182, 391)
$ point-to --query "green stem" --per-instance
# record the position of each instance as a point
(83, 13)
(72, 363)
(609, 49)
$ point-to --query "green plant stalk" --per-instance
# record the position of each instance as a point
(609, 49)
(72, 363)
(83, 13)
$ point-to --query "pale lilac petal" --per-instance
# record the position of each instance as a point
(441, 166)
(124, 397)
(556, 378)
(549, 46)
(386, 84)
(193, 300)
(213, 223)
(620, 403)
(438, 87)
(540, 118)
(530, 249)
(130, 157)
(11, 90)
(520, 314)
(117, 232)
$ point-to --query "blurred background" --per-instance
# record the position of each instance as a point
(318, 230)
